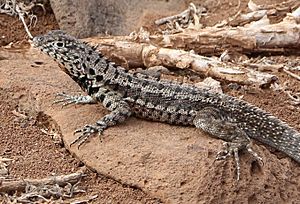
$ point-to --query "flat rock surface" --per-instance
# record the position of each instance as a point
(173, 163)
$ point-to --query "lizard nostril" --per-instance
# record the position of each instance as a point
(38, 38)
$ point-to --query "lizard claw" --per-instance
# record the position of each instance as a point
(255, 155)
(69, 99)
(230, 149)
(64, 98)
(85, 133)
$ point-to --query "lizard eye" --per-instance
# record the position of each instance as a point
(40, 38)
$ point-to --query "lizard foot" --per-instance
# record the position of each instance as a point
(86, 132)
(230, 148)
(68, 99)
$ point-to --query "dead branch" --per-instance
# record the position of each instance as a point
(285, 6)
(141, 54)
(4, 163)
(295, 97)
(291, 74)
(21, 184)
(275, 13)
(188, 18)
(265, 67)
(259, 36)
(85, 199)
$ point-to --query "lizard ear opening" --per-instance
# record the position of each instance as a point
(59, 44)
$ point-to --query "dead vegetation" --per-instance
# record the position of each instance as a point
(22, 11)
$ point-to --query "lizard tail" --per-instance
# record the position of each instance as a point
(287, 141)
(270, 130)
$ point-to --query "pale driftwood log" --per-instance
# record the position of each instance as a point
(275, 13)
(20, 185)
(135, 54)
(258, 36)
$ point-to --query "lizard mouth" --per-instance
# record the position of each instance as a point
(37, 41)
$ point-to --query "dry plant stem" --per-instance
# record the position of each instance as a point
(285, 6)
(25, 26)
(242, 19)
(20, 10)
(188, 18)
(292, 74)
(295, 98)
(20, 185)
(265, 67)
(174, 17)
(260, 36)
(141, 54)
(82, 200)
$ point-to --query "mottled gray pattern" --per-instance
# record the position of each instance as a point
(125, 94)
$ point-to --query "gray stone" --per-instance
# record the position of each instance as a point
(85, 18)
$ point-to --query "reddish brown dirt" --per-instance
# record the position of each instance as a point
(12, 29)
(36, 156)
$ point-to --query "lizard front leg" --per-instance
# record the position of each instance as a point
(67, 99)
(120, 112)
(111, 100)
(211, 121)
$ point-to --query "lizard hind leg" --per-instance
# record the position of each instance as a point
(212, 121)
(232, 149)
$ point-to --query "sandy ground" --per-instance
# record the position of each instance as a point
(36, 155)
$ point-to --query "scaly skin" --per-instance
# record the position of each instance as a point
(124, 94)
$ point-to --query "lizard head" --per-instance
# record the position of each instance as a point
(66, 50)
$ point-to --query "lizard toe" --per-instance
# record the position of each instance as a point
(85, 133)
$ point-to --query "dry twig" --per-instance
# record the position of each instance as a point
(294, 97)
(84, 200)
(291, 74)
(257, 12)
(14, 8)
(188, 18)
(20, 185)
(259, 36)
(37, 190)
(4, 163)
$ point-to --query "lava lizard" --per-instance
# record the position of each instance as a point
(125, 94)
